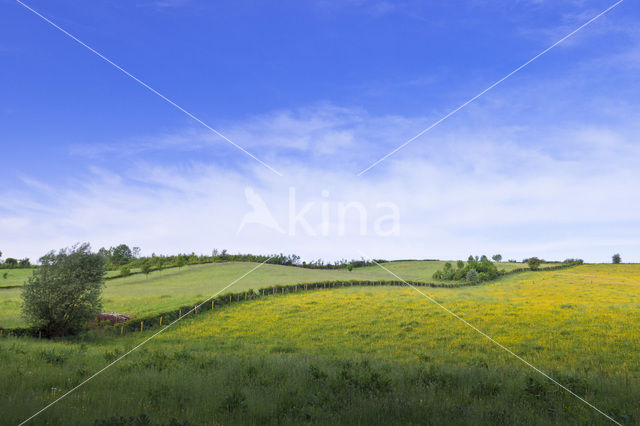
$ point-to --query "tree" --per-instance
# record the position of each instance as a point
(616, 258)
(534, 263)
(121, 254)
(25, 263)
(460, 264)
(180, 261)
(146, 269)
(64, 293)
(125, 271)
(497, 257)
(472, 276)
(11, 262)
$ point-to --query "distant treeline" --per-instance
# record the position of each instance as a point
(124, 259)
(12, 263)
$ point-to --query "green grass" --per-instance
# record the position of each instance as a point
(15, 277)
(141, 296)
(361, 355)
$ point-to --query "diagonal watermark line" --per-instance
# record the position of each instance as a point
(146, 86)
(488, 88)
(431, 299)
(139, 345)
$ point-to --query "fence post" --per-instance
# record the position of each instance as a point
(122, 330)
(141, 325)
(212, 303)
(180, 313)
(160, 320)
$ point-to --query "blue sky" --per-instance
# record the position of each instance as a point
(544, 164)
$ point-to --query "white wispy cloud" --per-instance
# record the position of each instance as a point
(457, 195)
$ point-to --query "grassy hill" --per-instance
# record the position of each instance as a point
(361, 355)
(15, 277)
(138, 295)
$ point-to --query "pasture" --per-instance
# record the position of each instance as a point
(358, 355)
(14, 277)
(138, 295)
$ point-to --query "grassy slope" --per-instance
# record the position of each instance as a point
(15, 277)
(138, 295)
(362, 355)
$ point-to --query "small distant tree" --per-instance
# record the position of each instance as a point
(25, 263)
(11, 262)
(497, 257)
(64, 293)
(616, 258)
(534, 263)
(125, 271)
(460, 264)
(146, 269)
(160, 264)
(180, 262)
(472, 276)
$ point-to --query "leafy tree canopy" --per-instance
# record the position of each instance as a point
(64, 293)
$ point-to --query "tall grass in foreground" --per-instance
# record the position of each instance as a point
(199, 384)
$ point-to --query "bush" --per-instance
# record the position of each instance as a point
(482, 266)
(534, 263)
(473, 276)
(616, 258)
(64, 293)
(125, 271)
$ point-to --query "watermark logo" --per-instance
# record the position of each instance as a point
(322, 216)
(260, 213)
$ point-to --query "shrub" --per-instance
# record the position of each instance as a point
(485, 269)
(473, 276)
(616, 258)
(64, 293)
(534, 263)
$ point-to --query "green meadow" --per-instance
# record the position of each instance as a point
(356, 355)
(14, 277)
(139, 295)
